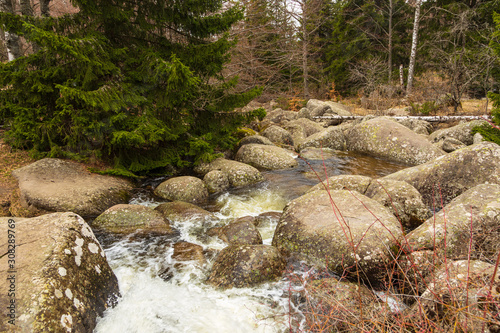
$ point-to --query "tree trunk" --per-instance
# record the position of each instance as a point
(26, 8)
(11, 39)
(389, 62)
(305, 36)
(44, 8)
(413, 55)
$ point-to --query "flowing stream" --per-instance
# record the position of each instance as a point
(161, 295)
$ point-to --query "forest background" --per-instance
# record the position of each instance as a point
(146, 85)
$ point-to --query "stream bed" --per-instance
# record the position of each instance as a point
(161, 295)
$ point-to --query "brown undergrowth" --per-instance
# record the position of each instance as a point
(423, 291)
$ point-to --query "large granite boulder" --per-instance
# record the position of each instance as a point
(343, 231)
(58, 272)
(461, 132)
(132, 218)
(402, 199)
(301, 129)
(279, 117)
(449, 230)
(447, 177)
(266, 157)
(185, 188)
(278, 135)
(384, 138)
(332, 137)
(246, 265)
(239, 174)
(57, 185)
(259, 139)
(319, 108)
(416, 125)
(344, 182)
(216, 181)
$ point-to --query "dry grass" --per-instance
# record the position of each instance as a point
(9, 160)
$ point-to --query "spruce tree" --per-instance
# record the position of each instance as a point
(138, 83)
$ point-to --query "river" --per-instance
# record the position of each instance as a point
(159, 295)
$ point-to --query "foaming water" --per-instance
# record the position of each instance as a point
(162, 295)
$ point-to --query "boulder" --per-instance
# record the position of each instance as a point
(353, 235)
(319, 154)
(332, 137)
(278, 135)
(461, 132)
(341, 305)
(57, 185)
(447, 177)
(241, 232)
(463, 296)
(259, 139)
(185, 188)
(185, 251)
(266, 157)
(246, 265)
(131, 218)
(301, 129)
(450, 229)
(278, 116)
(451, 144)
(402, 199)
(239, 174)
(59, 273)
(216, 181)
(318, 108)
(384, 138)
(416, 125)
(344, 182)
(181, 211)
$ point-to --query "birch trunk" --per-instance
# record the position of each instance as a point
(413, 55)
(11, 39)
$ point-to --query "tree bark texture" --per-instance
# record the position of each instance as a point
(414, 43)
(11, 39)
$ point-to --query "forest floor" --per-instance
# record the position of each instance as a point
(11, 159)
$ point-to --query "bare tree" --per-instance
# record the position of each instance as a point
(414, 43)
(11, 39)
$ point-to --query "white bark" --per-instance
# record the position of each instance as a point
(439, 119)
(414, 43)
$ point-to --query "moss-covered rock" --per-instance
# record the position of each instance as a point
(384, 138)
(131, 218)
(216, 181)
(246, 265)
(57, 185)
(185, 188)
(461, 132)
(449, 230)
(259, 139)
(333, 138)
(278, 135)
(451, 144)
(239, 174)
(266, 157)
(416, 125)
(61, 278)
(181, 211)
(349, 233)
(447, 177)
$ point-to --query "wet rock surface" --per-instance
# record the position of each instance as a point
(246, 265)
(62, 280)
(132, 218)
(239, 174)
